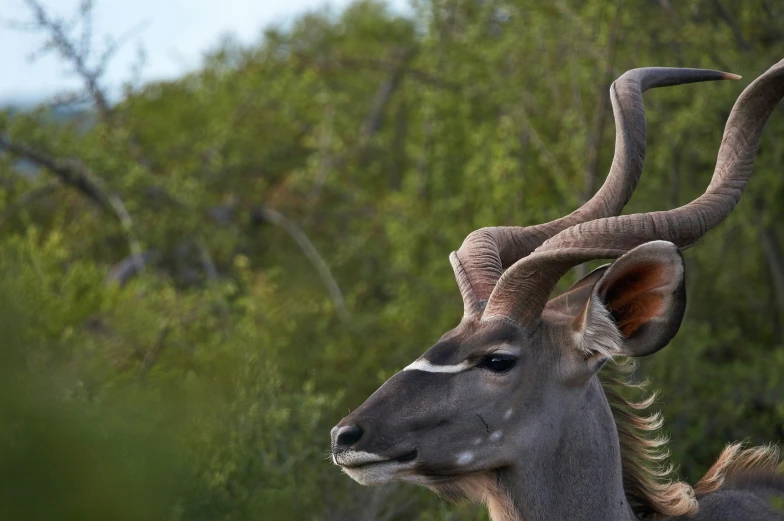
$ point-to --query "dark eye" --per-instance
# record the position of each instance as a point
(498, 363)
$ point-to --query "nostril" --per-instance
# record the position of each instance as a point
(348, 435)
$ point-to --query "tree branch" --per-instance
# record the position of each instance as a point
(371, 125)
(725, 15)
(152, 355)
(127, 268)
(70, 172)
(559, 174)
(594, 140)
(775, 261)
(76, 54)
(76, 47)
(384, 94)
(76, 174)
(310, 251)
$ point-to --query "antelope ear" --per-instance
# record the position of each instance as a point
(637, 306)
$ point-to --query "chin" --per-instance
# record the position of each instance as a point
(372, 469)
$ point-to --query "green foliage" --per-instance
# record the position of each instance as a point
(205, 387)
(113, 394)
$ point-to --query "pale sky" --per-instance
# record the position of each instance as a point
(174, 35)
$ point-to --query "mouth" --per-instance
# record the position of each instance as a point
(360, 460)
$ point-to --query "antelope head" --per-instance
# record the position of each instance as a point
(517, 378)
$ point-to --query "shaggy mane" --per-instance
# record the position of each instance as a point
(649, 479)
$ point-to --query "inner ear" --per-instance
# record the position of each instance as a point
(644, 294)
(634, 297)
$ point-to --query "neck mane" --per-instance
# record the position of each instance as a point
(614, 467)
(649, 479)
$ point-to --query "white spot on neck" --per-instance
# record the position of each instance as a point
(424, 365)
(477, 441)
(496, 436)
(508, 414)
(464, 458)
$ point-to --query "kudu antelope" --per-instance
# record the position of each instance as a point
(508, 408)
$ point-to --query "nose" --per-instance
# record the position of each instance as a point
(346, 436)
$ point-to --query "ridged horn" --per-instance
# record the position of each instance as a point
(486, 252)
(523, 290)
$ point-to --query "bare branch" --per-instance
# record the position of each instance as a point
(114, 45)
(85, 14)
(137, 69)
(774, 258)
(70, 172)
(122, 272)
(725, 15)
(76, 174)
(127, 224)
(559, 174)
(594, 140)
(370, 127)
(152, 355)
(206, 261)
(60, 41)
(77, 49)
(383, 95)
(325, 161)
(311, 253)
(68, 99)
(577, 98)
(168, 325)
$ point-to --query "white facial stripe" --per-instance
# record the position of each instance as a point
(424, 365)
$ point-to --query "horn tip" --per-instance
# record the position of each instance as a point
(730, 76)
(454, 260)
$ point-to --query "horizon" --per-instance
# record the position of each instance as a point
(174, 44)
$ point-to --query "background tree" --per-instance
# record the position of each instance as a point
(199, 277)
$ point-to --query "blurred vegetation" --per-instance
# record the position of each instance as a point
(197, 281)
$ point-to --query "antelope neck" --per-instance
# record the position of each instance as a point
(577, 478)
